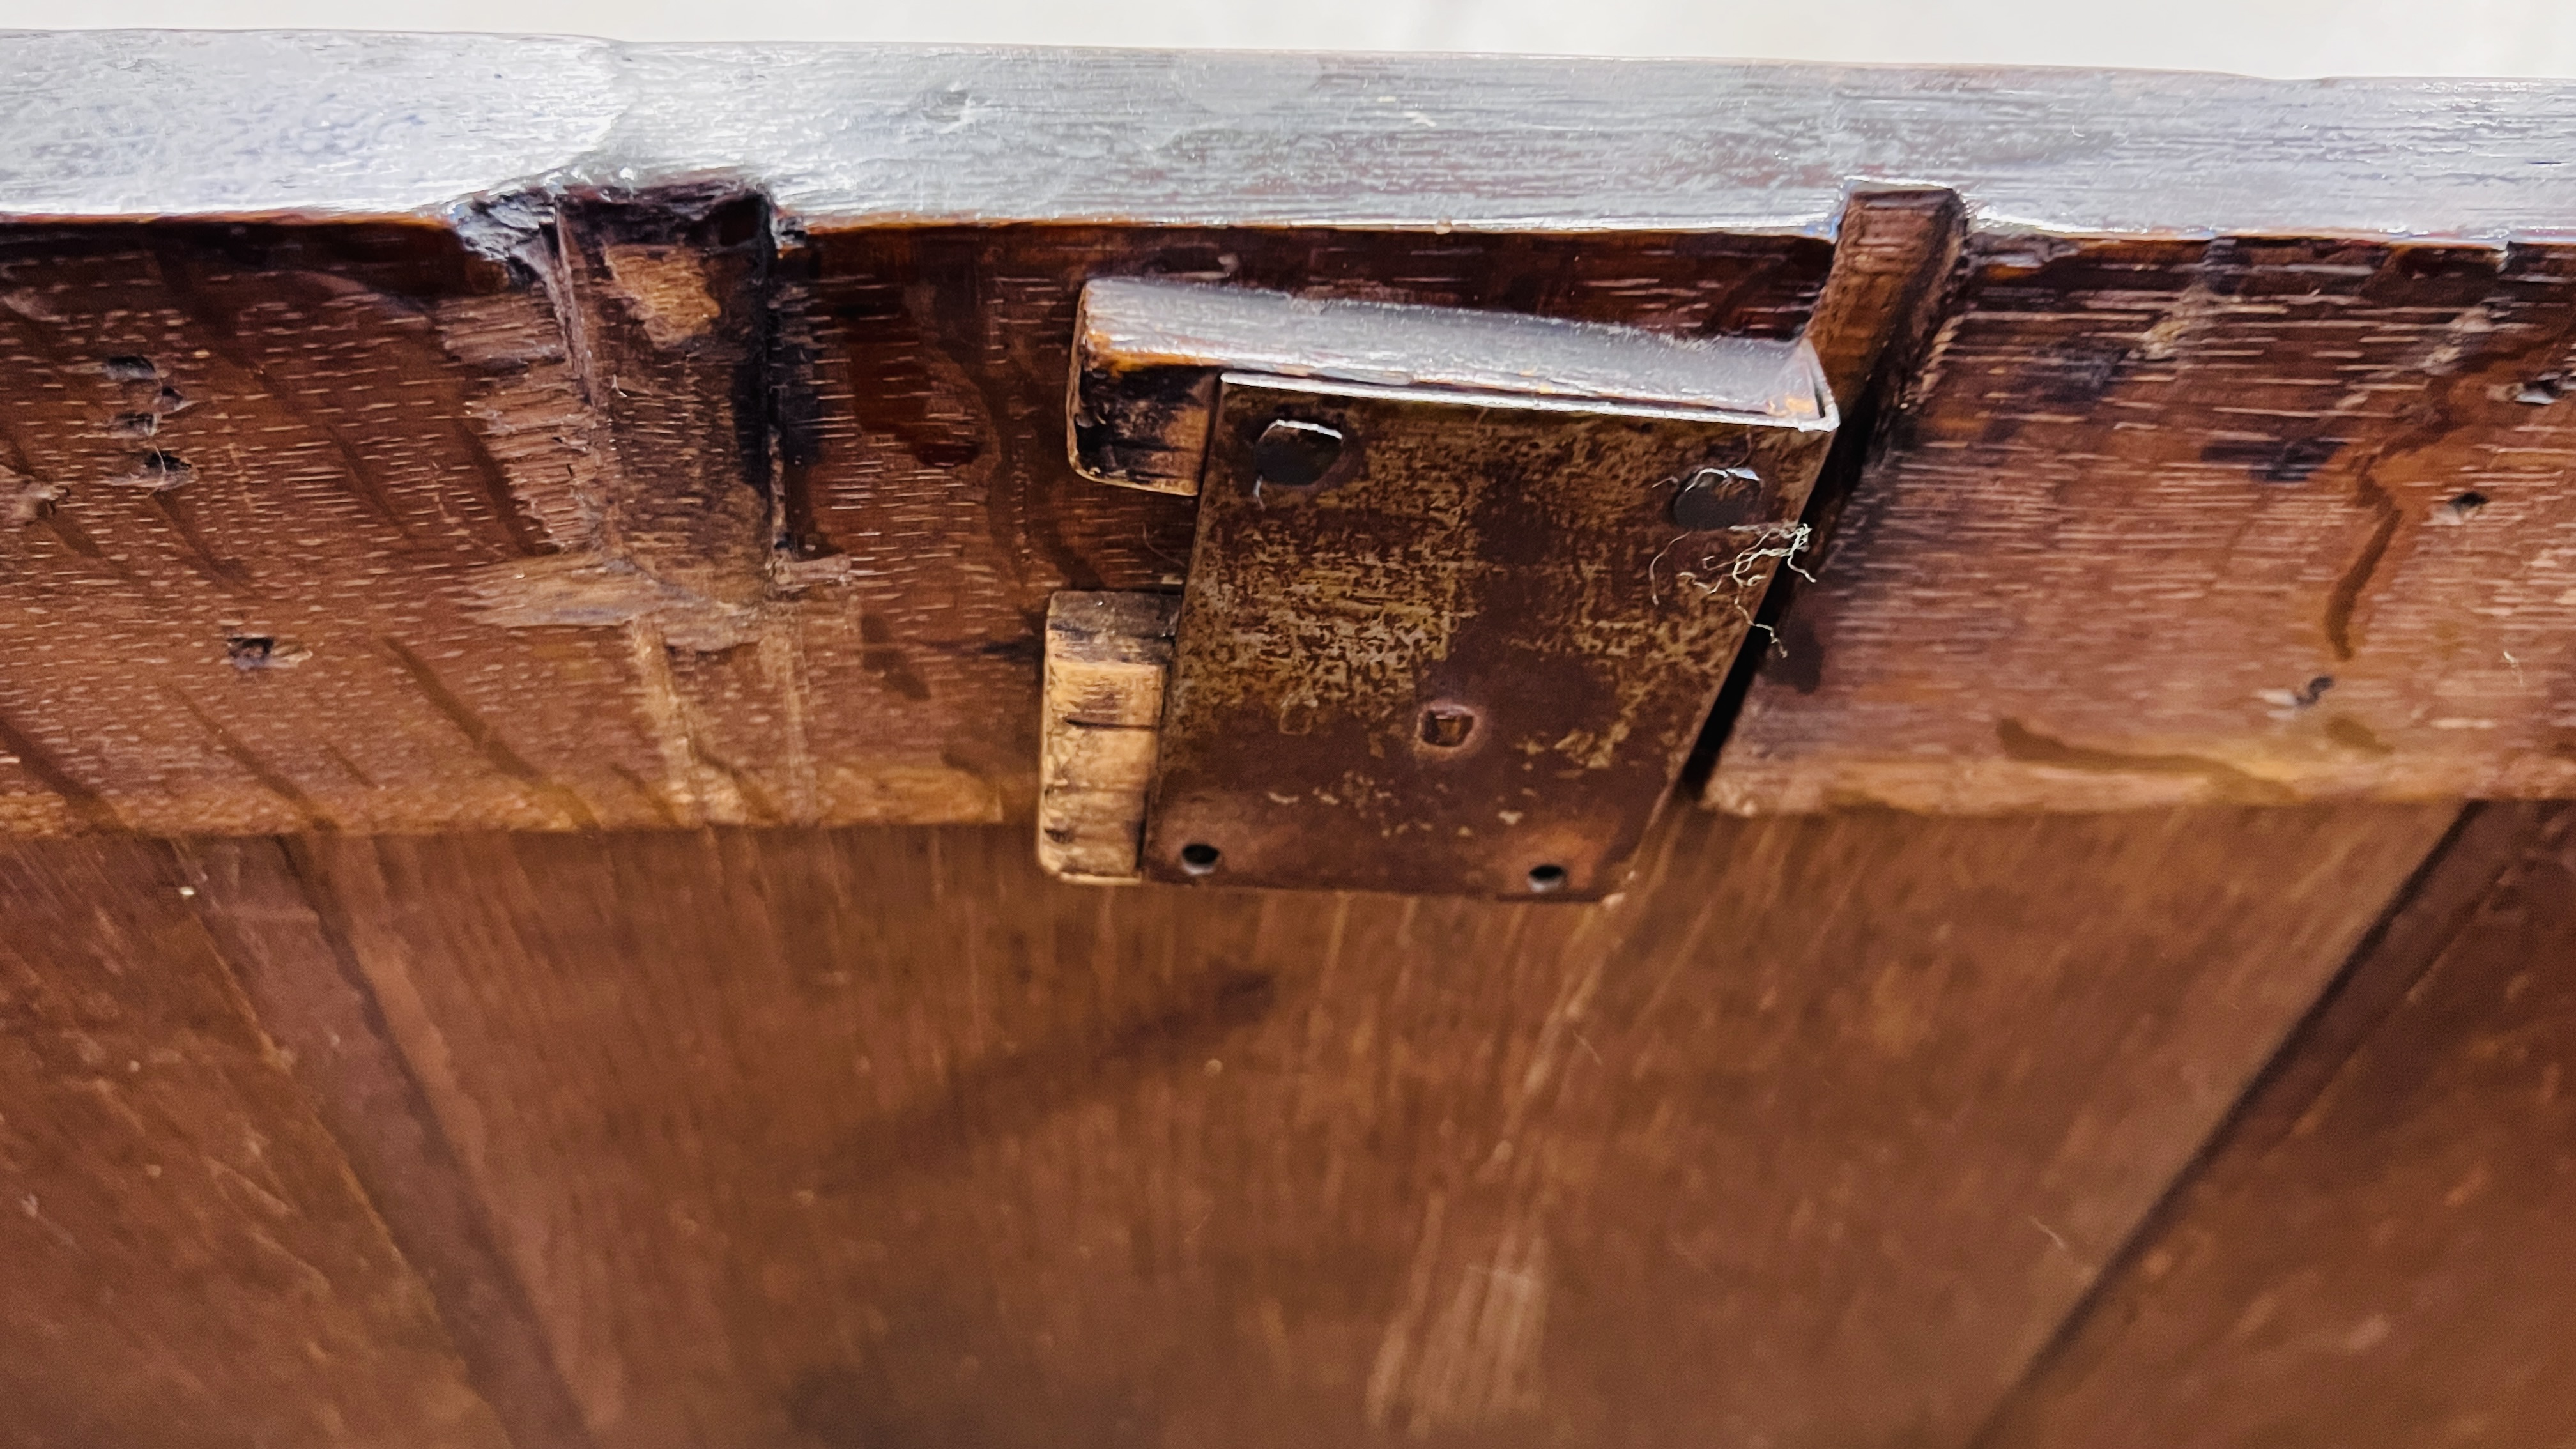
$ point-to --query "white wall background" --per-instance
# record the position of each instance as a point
(2262, 37)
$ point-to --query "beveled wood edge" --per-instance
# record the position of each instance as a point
(336, 125)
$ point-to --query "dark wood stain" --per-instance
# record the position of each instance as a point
(2345, 596)
(2021, 742)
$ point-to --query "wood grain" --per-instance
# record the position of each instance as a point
(2375, 1253)
(352, 527)
(880, 1137)
(228, 125)
(184, 1256)
(296, 975)
(2238, 520)
(621, 497)
(258, 474)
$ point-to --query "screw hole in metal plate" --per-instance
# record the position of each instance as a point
(1546, 878)
(1200, 858)
(1295, 454)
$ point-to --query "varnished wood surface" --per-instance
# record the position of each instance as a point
(2375, 1254)
(120, 123)
(879, 1137)
(185, 1259)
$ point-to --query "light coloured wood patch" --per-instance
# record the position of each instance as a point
(1107, 656)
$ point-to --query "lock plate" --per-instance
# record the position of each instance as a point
(1437, 636)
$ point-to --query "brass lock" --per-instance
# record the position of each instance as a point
(1464, 587)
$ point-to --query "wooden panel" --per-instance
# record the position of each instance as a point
(2376, 1254)
(880, 1137)
(621, 498)
(351, 528)
(184, 1258)
(2240, 520)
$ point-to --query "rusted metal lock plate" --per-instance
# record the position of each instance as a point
(1465, 585)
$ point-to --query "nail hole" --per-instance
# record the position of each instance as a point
(1292, 454)
(1546, 878)
(2304, 697)
(1446, 726)
(1200, 858)
(263, 651)
(131, 369)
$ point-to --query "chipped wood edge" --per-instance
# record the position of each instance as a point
(1108, 657)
